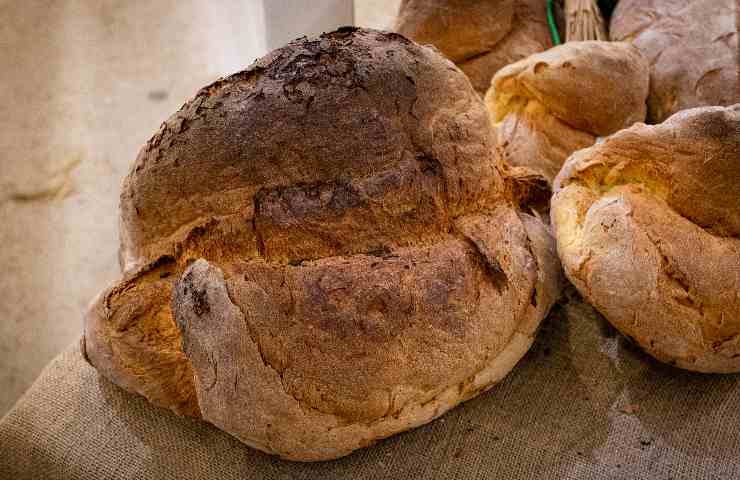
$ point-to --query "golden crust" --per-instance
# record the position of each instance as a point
(648, 224)
(343, 255)
(553, 103)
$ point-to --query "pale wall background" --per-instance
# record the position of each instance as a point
(89, 81)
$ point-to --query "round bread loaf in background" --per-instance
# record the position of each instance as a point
(648, 229)
(479, 36)
(692, 48)
(323, 250)
(553, 103)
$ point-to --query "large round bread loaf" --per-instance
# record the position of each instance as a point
(322, 250)
(692, 48)
(480, 36)
(553, 103)
(648, 230)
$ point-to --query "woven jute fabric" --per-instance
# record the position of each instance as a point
(582, 404)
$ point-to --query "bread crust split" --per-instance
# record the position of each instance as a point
(648, 229)
(550, 104)
(324, 250)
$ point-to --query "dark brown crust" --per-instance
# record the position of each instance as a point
(362, 262)
(648, 229)
(314, 92)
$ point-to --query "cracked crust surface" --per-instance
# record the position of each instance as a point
(648, 229)
(322, 251)
(553, 103)
(692, 47)
(481, 37)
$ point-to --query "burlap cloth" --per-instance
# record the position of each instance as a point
(582, 404)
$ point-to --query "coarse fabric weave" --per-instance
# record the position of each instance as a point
(582, 404)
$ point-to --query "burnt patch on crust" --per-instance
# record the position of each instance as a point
(329, 60)
(497, 275)
(195, 109)
(249, 76)
(200, 302)
(392, 37)
(341, 32)
(198, 296)
(429, 165)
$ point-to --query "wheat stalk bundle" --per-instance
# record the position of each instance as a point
(583, 21)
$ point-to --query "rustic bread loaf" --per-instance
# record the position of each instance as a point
(479, 36)
(553, 103)
(322, 251)
(692, 48)
(648, 229)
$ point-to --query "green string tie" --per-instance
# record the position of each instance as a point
(551, 23)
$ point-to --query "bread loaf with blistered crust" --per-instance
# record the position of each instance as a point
(551, 104)
(323, 250)
(648, 230)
